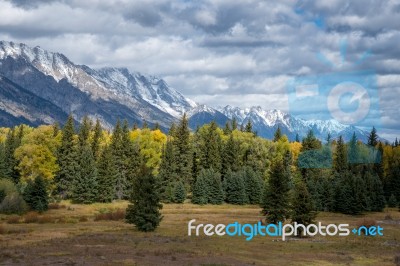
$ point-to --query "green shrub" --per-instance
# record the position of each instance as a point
(13, 204)
(7, 186)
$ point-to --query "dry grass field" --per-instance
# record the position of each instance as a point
(96, 234)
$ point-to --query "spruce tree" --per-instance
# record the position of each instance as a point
(374, 191)
(234, 124)
(275, 202)
(253, 185)
(302, 205)
(249, 127)
(373, 138)
(392, 202)
(167, 173)
(67, 158)
(12, 142)
(215, 191)
(107, 174)
(84, 131)
(179, 192)
(211, 150)
(95, 143)
(3, 170)
(278, 134)
(235, 190)
(183, 151)
(144, 210)
(230, 156)
(340, 157)
(36, 196)
(297, 139)
(227, 129)
(85, 185)
(201, 189)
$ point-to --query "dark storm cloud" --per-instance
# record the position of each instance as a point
(243, 52)
(31, 3)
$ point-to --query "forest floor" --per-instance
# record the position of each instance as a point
(72, 235)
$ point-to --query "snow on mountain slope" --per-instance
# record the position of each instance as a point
(151, 89)
(265, 122)
(148, 96)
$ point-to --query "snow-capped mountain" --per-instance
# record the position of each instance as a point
(37, 86)
(266, 122)
(107, 94)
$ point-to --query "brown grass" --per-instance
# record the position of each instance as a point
(110, 216)
(2, 230)
(31, 217)
(56, 206)
(46, 219)
(367, 222)
(83, 219)
(13, 219)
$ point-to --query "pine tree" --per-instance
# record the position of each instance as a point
(144, 210)
(211, 150)
(201, 189)
(56, 129)
(278, 134)
(340, 157)
(84, 185)
(374, 191)
(118, 152)
(275, 202)
(297, 138)
(36, 196)
(234, 124)
(95, 143)
(84, 131)
(373, 138)
(12, 142)
(215, 191)
(227, 129)
(168, 171)
(253, 185)
(396, 143)
(353, 150)
(179, 192)
(156, 126)
(183, 151)
(392, 202)
(235, 190)
(3, 168)
(302, 206)
(249, 127)
(67, 158)
(378, 165)
(230, 156)
(107, 174)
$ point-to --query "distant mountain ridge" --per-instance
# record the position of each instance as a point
(37, 86)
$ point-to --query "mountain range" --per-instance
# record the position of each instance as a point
(42, 87)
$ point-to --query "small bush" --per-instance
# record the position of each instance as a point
(31, 217)
(388, 217)
(7, 186)
(110, 216)
(367, 223)
(13, 219)
(13, 204)
(83, 219)
(46, 219)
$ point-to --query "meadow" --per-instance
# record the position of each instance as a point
(96, 234)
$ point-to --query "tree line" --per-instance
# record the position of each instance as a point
(211, 165)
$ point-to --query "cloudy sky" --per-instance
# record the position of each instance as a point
(220, 52)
